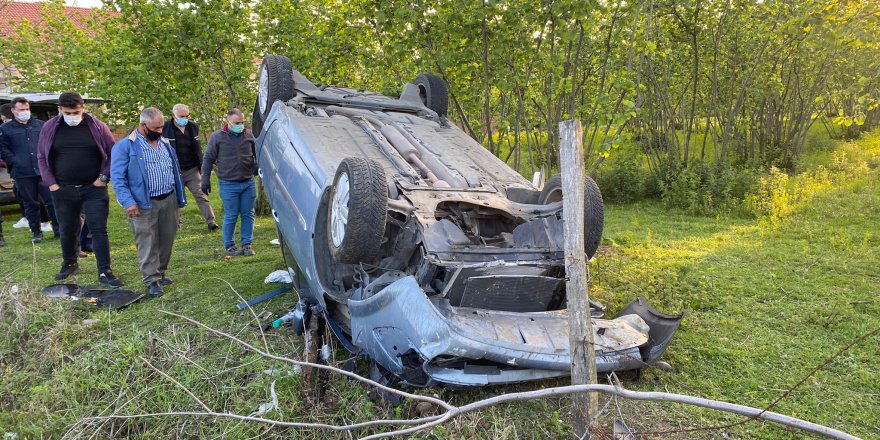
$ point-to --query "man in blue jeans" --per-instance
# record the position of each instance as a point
(232, 148)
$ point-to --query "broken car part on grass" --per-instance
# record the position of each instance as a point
(94, 296)
(421, 249)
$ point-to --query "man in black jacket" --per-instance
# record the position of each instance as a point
(18, 148)
(184, 137)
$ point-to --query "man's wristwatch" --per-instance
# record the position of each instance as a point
(104, 178)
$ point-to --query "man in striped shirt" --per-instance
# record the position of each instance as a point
(147, 181)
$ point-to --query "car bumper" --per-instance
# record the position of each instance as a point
(425, 341)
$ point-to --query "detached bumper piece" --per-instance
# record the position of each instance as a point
(425, 341)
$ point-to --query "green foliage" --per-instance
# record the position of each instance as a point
(624, 178)
(137, 53)
(773, 197)
(705, 189)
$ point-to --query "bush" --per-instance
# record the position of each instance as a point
(772, 197)
(622, 178)
(704, 189)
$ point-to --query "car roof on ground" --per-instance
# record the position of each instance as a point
(40, 97)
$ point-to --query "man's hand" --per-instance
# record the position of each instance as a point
(54, 187)
(99, 183)
(133, 211)
(206, 187)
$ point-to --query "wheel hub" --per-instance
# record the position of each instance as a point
(339, 210)
(263, 92)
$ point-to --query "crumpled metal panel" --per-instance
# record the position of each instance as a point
(532, 345)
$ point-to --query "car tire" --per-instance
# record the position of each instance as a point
(355, 236)
(434, 93)
(594, 209)
(257, 119)
(275, 83)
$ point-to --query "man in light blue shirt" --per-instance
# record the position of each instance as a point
(146, 179)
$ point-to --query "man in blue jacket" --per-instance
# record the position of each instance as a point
(18, 148)
(146, 179)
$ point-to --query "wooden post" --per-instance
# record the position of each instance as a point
(583, 356)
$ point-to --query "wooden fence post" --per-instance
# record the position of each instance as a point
(583, 356)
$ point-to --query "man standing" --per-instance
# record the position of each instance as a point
(18, 147)
(232, 147)
(184, 137)
(74, 157)
(147, 181)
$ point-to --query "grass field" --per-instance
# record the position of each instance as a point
(765, 303)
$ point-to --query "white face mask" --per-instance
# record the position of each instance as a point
(73, 120)
(24, 116)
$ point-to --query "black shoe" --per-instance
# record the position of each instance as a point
(165, 281)
(213, 226)
(107, 278)
(37, 237)
(67, 270)
(155, 289)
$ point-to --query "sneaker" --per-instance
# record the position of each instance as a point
(81, 254)
(37, 237)
(22, 223)
(247, 251)
(165, 281)
(233, 250)
(45, 227)
(107, 278)
(213, 226)
(155, 289)
(67, 270)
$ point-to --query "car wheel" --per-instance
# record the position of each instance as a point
(434, 93)
(275, 83)
(594, 209)
(358, 201)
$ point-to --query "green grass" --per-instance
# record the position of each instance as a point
(764, 304)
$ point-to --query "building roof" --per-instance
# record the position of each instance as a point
(13, 13)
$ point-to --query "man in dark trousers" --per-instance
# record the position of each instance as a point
(147, 182)
(183, 134)
(74, 157)
(232, 148)
(19, 139)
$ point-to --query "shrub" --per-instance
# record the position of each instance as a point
(705, 189)
(622, 178)
(772, 197)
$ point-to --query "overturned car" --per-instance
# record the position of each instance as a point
(420, 249)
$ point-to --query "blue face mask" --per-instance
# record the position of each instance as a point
(181, 121)
(237, 128)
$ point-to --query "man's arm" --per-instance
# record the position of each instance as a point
(119, 173)
(209, 159)
(107, 142)
(197, 142)
(5, 147)
(43, 147)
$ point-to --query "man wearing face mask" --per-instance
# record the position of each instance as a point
(232, 148)
(19, 139)
(147, 182)
(183, 134)
(74, 157)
